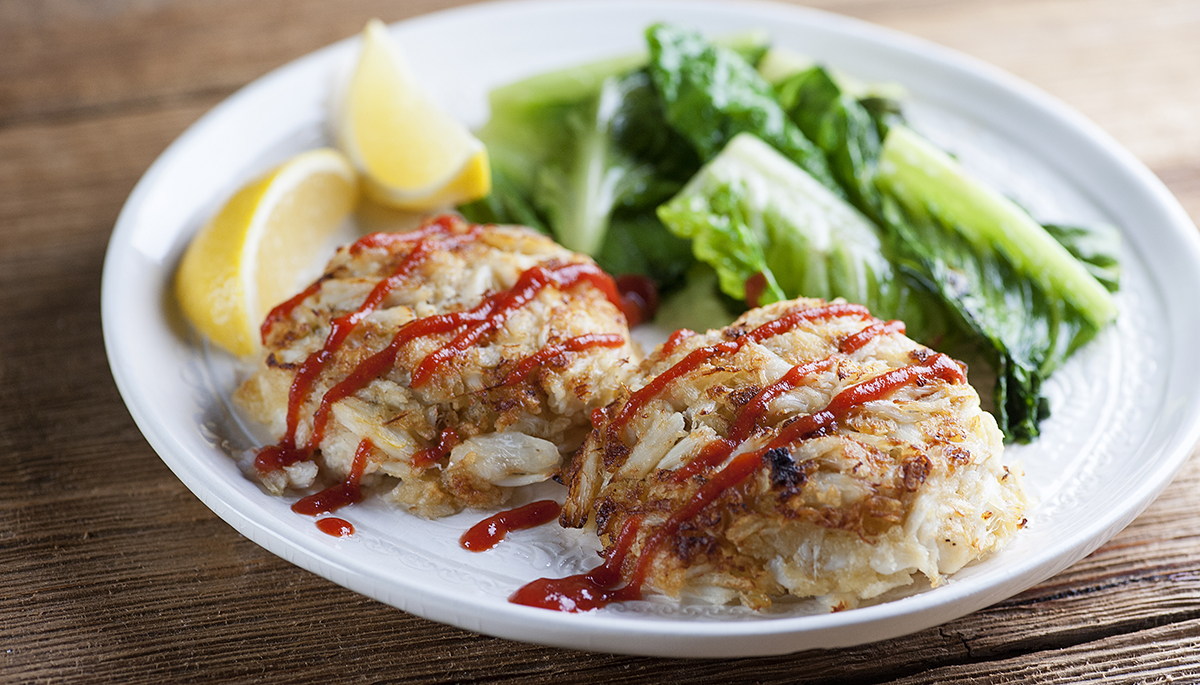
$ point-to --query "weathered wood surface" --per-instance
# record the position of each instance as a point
(113, 571)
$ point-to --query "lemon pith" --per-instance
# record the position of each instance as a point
(245, 259)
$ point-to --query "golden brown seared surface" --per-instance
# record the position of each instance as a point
(508, 435)
(909, 482)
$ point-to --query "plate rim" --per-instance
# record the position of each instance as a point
(619, 633)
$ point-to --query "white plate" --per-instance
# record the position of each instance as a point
(1125, 409)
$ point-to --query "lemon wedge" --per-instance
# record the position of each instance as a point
(412, 155)
(247, 257)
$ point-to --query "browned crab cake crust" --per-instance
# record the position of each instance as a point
(508, 435)
(910, 482)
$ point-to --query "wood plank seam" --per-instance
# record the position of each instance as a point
(115, 108)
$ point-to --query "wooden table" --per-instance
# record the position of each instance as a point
(113, 571)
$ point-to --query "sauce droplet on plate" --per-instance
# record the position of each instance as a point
(338, 528)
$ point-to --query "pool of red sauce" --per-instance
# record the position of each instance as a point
(756, 285)
(338, 528)
(489, 532)
(586, 591)
(639, 298)
(343, 494)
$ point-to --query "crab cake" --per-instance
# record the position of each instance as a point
(456, 361)
(808, 450)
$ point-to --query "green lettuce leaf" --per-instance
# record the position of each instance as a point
(1096, 247)
(638, 243)
(710, 94)
(928, 181)
(572, 149)
(1023, 297)
(752, 211)
(508, 203)
(570, 165)
(1007, 279)
(850, 134)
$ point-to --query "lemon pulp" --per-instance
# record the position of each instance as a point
(412, 154)
(246, 258)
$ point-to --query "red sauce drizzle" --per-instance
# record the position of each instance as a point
(437, 226)
(675, 340)
(599, 587)
(709, 456)
(752, 411)
(755, 286)
(285, 452)
(936, 366)
(338, 528)
(489, 532)
(735, 472)
(639, 298)
(660, 382)
(585, 591)
(471, 325)
(431, 455)
(696, 357)
(579, 343)
(345, 493)
(789, 321)
(282, 311)
(375, 365)
(747, 419)
(528, 285)
(852, 343)
(440, 225)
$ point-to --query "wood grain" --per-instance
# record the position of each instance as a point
(114, 572)
(64, 58)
